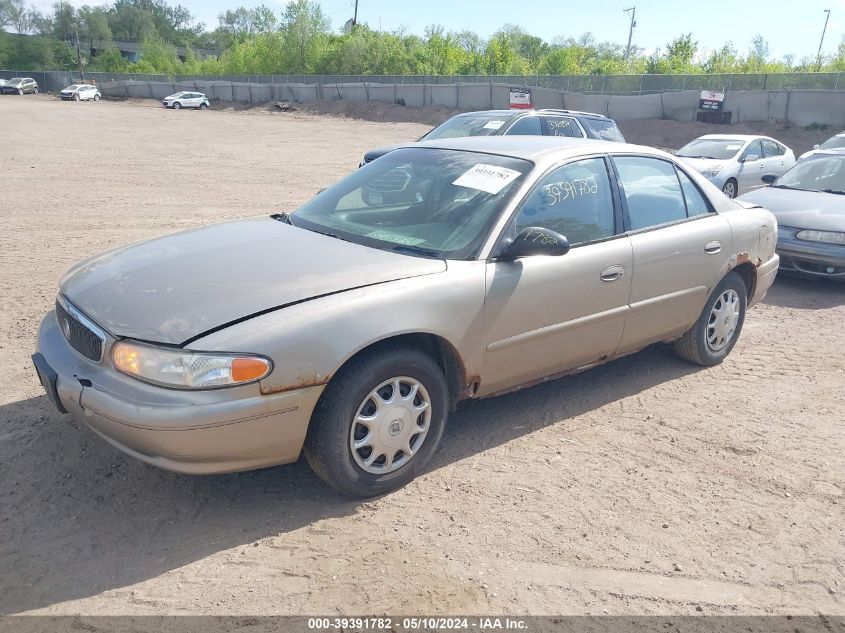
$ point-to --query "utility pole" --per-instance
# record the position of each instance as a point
(824, 30)
(355, 17)
(633, 12)
(78, 52)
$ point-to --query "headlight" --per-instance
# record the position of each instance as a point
(711, 172)
(185, 369)
(828, 237)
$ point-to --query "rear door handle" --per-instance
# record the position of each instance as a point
(711, 248)
(612, 273)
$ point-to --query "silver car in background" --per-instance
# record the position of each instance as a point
(179, 100)
(735, 162)
(349, 331)
(809, 204)
(837, 141)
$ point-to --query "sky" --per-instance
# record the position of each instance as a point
(790, 26)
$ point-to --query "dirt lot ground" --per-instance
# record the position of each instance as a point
(648, 486)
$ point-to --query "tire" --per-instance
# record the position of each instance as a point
(203, 106)
(20, 91)
(697, 344)
(76, 97)
(96, 98)
(177, 105)
(35, 90)
(350, 397)
(730, 188)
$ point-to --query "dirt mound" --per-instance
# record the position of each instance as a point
(380, 112)
(673, 135)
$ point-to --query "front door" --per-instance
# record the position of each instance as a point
(751, 169)
(680, 248)
(544, 315)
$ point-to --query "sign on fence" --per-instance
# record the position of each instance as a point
(711, 101)
(520, 99)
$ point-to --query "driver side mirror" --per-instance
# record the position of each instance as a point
(534, 240)
(769, 178)
(751, 158)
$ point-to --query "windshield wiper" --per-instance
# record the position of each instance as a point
(284, 218)
(414, 250)
(836, 191)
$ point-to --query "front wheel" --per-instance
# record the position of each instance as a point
(96, 98)
(379, 421)
(20, 91)
(714, 335)
(203, 106)
(35, 91)
(177, 106)
(730, 188)
(76, 97)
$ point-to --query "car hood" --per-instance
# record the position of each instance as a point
(801, 209)
(175, 288)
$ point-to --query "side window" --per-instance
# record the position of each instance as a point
(575, 200)
(562, 126)
(526, 126)
(696, 202)
(771, 149)
(652, 191)
(755, 149)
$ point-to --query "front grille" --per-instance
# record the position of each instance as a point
(81, 338)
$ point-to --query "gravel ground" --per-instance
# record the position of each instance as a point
(647, 486)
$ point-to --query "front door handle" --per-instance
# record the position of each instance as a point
(612, 273)
(711, 248)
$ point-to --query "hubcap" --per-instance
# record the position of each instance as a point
(724, 317)
(730, 190)
(390, 425)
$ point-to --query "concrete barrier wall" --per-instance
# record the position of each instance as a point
(798, 107)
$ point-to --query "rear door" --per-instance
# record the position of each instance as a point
(775, 156)
(680, 248)
(544, 315)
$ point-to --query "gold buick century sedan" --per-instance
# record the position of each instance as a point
(350, 328)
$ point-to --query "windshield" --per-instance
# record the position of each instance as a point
(604, 129)
(715, 148)
(471, 125)
(16, 81)
(73, 87)
(818, 173)
(834, 142)
(426, 202)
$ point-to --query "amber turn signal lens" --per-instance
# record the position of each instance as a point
(246, 369)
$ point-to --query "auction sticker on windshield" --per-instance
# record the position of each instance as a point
(489, 178)
(387, 236)
(493, 125)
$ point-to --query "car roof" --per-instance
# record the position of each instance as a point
(537, 149)
(733, 137)
(509, 113)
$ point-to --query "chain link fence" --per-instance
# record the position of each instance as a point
(53, 81)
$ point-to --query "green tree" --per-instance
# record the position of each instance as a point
(305, 28)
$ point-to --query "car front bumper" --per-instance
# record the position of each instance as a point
(203, 432)
(810, 259)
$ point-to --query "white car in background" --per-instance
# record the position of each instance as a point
(181, 100)
(736, 162)
(80, 92)
(837, 141)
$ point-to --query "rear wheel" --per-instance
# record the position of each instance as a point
(96, 97)
(203, 106)
(714, 335)
(379, 421)
(177, 106)
(730, 188)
